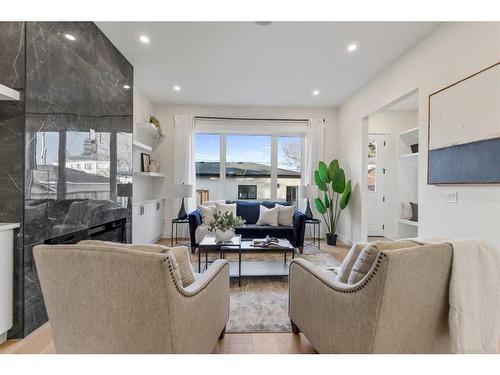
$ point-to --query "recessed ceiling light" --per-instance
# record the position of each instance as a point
(263, 23)
(144, 39)
(352, 47)
(126, 87)
(177, 88)
(316, 92)
(69, 36)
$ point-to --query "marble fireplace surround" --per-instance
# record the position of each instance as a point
(66, 152)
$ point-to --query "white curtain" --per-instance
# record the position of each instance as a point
(314, 149)
(184, 159)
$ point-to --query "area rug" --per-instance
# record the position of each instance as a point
(261, 304)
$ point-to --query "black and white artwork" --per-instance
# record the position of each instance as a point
(464, 131)
(145, 161)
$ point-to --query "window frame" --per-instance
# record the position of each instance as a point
(260, 128)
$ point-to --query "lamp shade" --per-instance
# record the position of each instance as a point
(309, 191)
(183, 190)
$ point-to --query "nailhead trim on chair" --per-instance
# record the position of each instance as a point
(179, 289)
(351, 290)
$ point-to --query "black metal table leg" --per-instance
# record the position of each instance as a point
(172, 235)
(239, 266)
(206, 258)
(199, 259)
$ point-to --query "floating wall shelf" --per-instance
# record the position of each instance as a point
(409, 222)
(409, 137)
(142, 146)
(150, 174)
(6, 93)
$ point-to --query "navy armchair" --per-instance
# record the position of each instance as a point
(249, 211)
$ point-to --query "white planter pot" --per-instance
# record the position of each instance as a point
(224, 236)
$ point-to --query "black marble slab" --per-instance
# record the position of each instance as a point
(66, 155)
(79, 108)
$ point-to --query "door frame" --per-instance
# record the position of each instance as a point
(381, 188)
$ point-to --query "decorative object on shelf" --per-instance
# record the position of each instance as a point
(406, 212)
(414, 148)
(336, 193)
(155, 123)
(222, 225)
(154, 166)
(145, 161)
(309, 192)
(464, 130)
(414, 211)
(183, 191)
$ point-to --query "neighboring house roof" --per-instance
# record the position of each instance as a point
(49, 173)
(241, 169)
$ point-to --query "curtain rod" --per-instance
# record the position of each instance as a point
(250, 119)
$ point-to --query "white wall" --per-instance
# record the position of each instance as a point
(143, 186)
(452, 52)
(392, 123)
(166, 150)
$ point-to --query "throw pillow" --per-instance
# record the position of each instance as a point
(368, 255)
(181, 255)
(363, 264)
(414, 211)
(207, 213)
(285, 215)
(268, 216)
(348, 262)
(405, 211)
(231, 207)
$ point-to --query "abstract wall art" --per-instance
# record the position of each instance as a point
(464, 131)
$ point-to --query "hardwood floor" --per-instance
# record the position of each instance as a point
(40, 342)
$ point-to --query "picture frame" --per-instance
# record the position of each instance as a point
(459, 151)
(145, 161)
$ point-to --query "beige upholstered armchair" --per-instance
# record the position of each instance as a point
(104, 298)
(397, 304)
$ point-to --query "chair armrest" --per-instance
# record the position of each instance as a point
(335, 317)
(299, 228)
(194, 221)
(201, 310)
(219, 266)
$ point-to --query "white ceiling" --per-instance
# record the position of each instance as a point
(242, 63)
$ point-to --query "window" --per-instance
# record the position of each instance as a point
(207, 158)
(248, 162)
(289, 168)
(372, 165)
(249, 166)
(247, 191)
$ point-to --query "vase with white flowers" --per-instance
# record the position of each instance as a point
(222, 225)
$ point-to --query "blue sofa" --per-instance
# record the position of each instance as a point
(249, 211)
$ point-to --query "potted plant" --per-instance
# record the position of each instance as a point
(336, 193)
(222, 225)
(155, 123)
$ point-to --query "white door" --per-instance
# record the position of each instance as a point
(376, 184)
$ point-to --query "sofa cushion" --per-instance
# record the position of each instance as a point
(285, 215)
(207, 213)
(249, 211)
(268, 216)
(252, 231)
(181, 255)
(231, 207)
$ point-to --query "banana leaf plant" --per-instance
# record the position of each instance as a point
(334, 195)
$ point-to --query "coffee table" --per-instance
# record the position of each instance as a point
(247, 269)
